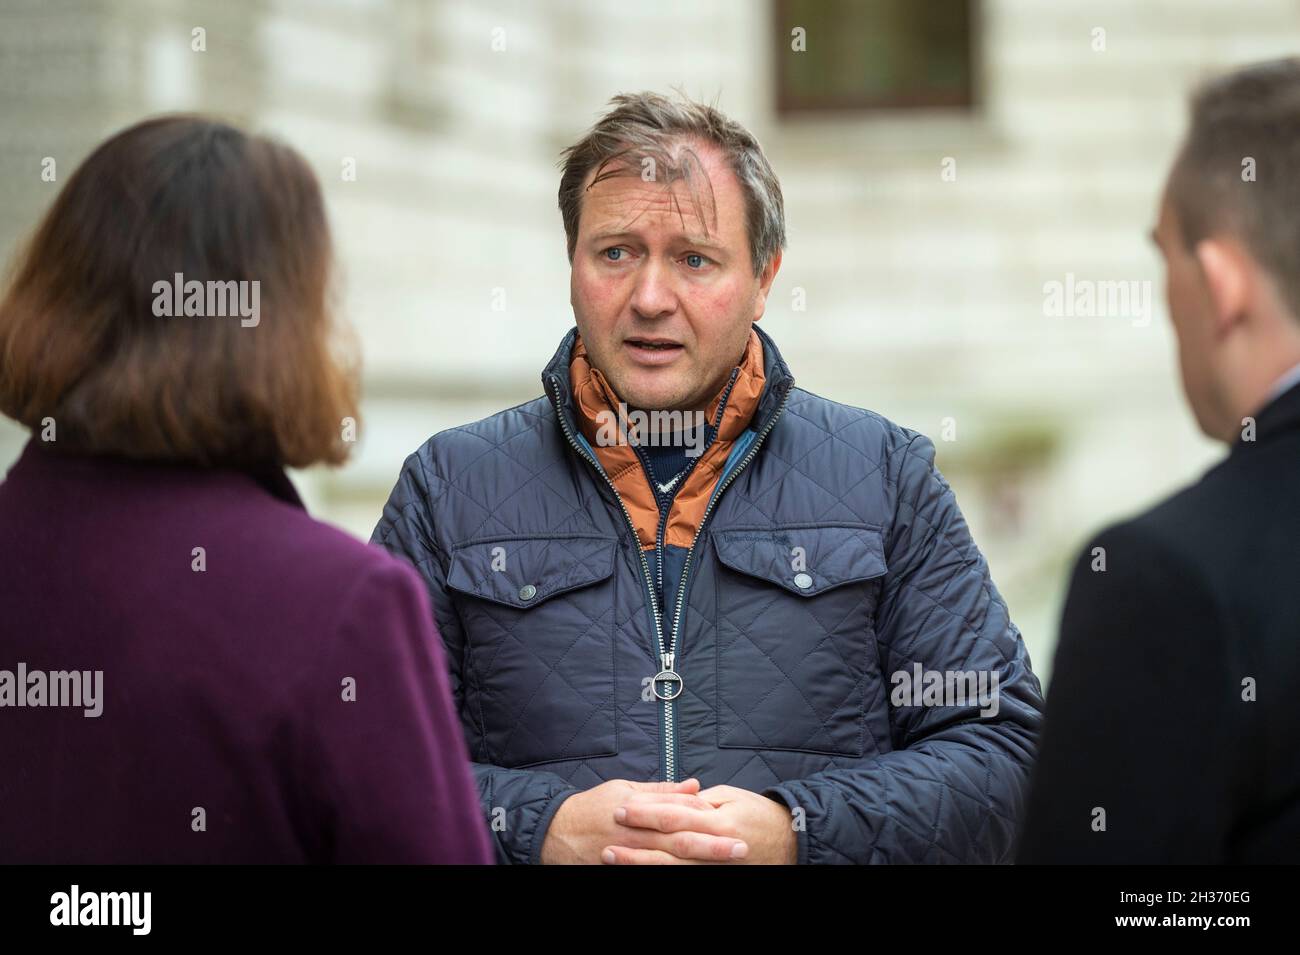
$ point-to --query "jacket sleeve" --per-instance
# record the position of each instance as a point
(1147, 744)
(953, 788)
(518, 804)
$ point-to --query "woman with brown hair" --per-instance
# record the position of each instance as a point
(191, 668)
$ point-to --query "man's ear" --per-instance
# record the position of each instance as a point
(1227, 273)
(765, 285)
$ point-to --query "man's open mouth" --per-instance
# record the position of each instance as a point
(653, 352)
(652, 344)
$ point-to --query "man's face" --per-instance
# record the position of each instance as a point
(663, 299)
(1191, 312)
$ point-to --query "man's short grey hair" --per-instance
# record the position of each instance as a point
(650, 134)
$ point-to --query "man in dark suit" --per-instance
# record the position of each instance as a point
(1173, 722)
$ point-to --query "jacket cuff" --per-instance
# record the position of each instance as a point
(783, 795)
(544, 824)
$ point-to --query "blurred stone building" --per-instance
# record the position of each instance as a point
(942, 163)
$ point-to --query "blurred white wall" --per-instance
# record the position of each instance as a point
(923, 298)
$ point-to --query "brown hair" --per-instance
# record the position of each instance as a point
(640, 126)
(1251, 114)
(81, 337)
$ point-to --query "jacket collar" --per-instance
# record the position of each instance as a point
(727, 415)
(41, 462)
(779, 381)
(1280, 415)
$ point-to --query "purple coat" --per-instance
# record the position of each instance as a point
(280, 695)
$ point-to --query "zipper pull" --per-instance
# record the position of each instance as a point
(667, 675)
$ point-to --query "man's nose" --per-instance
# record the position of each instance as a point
(654, 295)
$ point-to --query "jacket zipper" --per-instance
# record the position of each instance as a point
(666, 659)
(670, 740)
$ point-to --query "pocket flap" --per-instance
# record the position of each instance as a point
(806, 559)
(524, 572)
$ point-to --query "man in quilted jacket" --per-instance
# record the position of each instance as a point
(693, 613)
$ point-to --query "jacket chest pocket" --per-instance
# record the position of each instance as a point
(796, 648)
(539, 622)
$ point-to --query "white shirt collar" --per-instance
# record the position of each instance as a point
(1285, 383)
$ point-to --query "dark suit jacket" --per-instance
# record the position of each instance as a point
(1150, 715)
(222, 689)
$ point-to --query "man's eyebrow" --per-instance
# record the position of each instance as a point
(606, 236)
(694, 240)
(704, 242)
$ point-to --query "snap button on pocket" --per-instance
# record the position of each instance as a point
(537, 612)
(796, 660)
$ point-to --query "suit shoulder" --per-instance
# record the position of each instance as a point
(1169, 545)
(1183, 523)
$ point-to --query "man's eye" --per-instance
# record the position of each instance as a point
(695, 260)
(613, 254)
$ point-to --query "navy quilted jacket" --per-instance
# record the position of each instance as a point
(832, 557)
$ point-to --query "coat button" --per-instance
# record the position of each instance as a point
(802, 581)
(527, 592)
